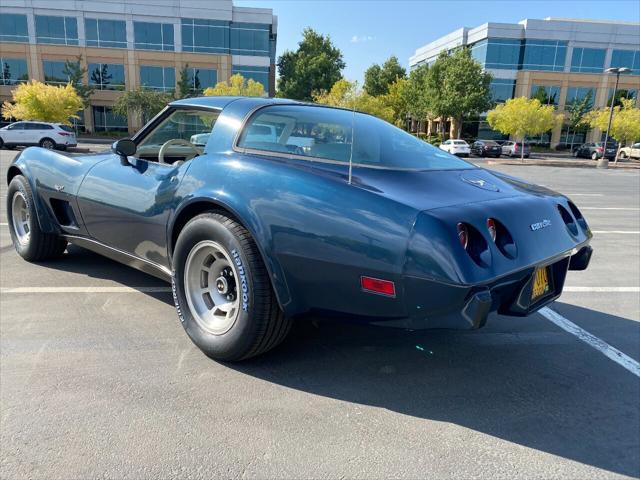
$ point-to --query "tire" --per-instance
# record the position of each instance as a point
(257, 324)
(47, 143)
(623, 155)
(1, 143)
(575, 154)
(594, 156)
(30, 242)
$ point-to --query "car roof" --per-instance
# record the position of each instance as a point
(222, 102)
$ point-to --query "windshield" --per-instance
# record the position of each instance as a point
(338, 136)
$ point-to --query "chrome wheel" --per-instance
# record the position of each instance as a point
(48, 144)
(20, 218)
(211, 288)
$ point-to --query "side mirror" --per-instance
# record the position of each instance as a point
(124, 148)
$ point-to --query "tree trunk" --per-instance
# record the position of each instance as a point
(615, 162)
(522, 150)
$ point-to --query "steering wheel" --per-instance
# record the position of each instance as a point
(176, 141)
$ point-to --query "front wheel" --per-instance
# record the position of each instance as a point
(30, 242)
(623, 155)
(222, 290)
(594, 156)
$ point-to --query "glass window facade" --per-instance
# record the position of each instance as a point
(587, 60)
(630, 94)
(104, 120)
(499, 53)
(501, 89)
(549, 55)
(577, 94)
(13, 28)
(158, 78)
(201, 78)
(207, 36)
(106, 76)
(153, 36)
(14, 70)
(56, 30)
(626, 58)
(105, 33)
(259, 74)
(54, 72)
(547, 94)
(249, 39)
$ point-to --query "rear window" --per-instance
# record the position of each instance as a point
(460, 142)
(336, 136)
(66, 128)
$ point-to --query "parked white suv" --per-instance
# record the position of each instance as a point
(456, 147)
(45, 135)
(631, 152)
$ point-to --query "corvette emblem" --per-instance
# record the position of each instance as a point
(540, 225)
(480, 183)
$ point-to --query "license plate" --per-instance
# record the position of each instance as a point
(541, 283)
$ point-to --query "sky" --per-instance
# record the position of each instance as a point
(369, 31)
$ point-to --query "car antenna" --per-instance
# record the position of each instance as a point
(353, 135)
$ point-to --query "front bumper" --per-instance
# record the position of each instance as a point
(435, 305)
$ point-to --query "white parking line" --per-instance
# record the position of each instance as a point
(602, 289)
(584, 194)
(3, 224)
(621, 232)
(628, 209)
(603, 347)
(86, 290)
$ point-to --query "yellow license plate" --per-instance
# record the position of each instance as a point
(541, 285)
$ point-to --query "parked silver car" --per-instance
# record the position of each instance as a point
(513, 149)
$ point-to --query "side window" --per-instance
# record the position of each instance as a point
(191, 126)
(16, 126)
(307, 131)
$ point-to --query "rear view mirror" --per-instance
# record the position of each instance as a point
(124, 148)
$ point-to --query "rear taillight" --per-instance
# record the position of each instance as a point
(65, 134)
(491, 227)
(376, 285)
(599, 149)
(515, 147)
(463, 235)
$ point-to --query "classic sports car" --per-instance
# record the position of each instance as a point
(291, 208)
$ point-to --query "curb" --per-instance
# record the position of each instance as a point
(566, 164)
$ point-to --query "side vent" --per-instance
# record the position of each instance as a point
(568, 220)
(63, 213)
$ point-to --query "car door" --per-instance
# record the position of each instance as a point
(126, 204)
(635, 150)
(14, 133)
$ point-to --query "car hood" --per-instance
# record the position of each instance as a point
(429, 190)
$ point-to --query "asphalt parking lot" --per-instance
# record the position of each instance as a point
(98, 379)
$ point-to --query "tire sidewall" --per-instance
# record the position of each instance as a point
(238, 340)
(18, 184)
(47, 139)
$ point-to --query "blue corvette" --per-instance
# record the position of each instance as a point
(258, 210)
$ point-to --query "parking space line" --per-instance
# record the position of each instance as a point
(602, 289)
(621, 232)
(628, 209)
(603, 347)
(86, 290)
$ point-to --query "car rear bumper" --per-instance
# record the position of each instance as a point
(467, 307)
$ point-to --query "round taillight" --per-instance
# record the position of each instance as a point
(463, 235)
(491, 226)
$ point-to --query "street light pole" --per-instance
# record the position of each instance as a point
(604, 162)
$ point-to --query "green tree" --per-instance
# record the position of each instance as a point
(144, 102)
(576, 110)
(237, 85)
(346, 94)
(377, 79)
(315, 66)
(522, 116)
(184, 83)
(76, 74)
(47, 103)
(415, 95)
(625, 123)
(545, 97)
(396, 100)
(457, 87)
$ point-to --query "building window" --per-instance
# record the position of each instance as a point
(578, 94)
(250, 39)
(104, 120)
(13, 28)
(14, 70)
(259, 74)
(547, 94)
(153, 36)
(549, 55)
(207, 36)
(201, 78)
(629, 94)
(501, 89)
(106, 76)
(587, 60)
(158, 78)
(56, 30)
(105, 33)
(54, 72)
(498, 53)
(626, 58)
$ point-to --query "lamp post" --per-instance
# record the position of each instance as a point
(604, 162)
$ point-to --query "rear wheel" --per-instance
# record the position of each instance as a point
(222, 290)
(1, 143)
(594, 156)
(29, 241)
(47, 143)
(623, 155)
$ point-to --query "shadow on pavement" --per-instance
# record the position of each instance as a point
(520, 380)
